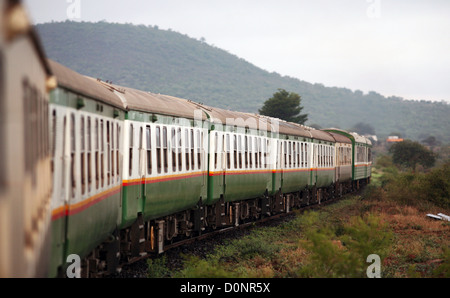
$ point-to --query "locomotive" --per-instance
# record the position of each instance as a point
(110, 173)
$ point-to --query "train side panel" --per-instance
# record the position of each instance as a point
(86, 139)
(25, 181)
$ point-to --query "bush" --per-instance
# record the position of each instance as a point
(345, 255)
(422, 190)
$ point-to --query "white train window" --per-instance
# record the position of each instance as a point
(82, 156)
(235, 151)
(216, 149)
(180, 146)
(72, 154)
(164, 145)
(186, 140)
(199, 157)
(130, 156)
(174, 150)
(192, 150)
(250, 141)
(89, 158)
(148, 134)
(102, 153)
(228, 152)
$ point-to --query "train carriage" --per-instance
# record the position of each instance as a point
(25, 179)
(361, 156)
(86, 130)
(165, 159)
(323, 168)
(239, 166)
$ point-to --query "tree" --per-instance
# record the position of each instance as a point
(409, 154)
(286, 106)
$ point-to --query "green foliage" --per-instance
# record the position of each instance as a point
(157, 268)
(195, 267)
(415, 189)
(285, 106)
(342, 251)
(167, 62)
(409, 154)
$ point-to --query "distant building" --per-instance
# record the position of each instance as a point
(393, 139)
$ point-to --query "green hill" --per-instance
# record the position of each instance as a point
(168, 62)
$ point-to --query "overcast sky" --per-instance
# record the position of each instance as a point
(393, 47)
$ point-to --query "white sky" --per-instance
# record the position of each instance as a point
(393, 47)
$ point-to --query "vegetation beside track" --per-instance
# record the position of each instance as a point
(388, 219)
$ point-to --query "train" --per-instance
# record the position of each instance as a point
(25, 173)
(127, 173)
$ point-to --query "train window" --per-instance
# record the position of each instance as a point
(174, 150)
(239, 151)
(130, 156)
(158, 149)
(82, 156)
(228, 152)
(278, 156)
(148, 133)
(246, 152)
(164, 143)
(186, 148)
(117, 151)
(140, 151)
(89, 148)
(108, 153)
(53, 140)
(97, 177)
(192, 150)
(63, 164)
(102, 153)
(256, 153)
(216, 148)
(199, 151)
(112, 152)
(305, 158)
(180, 162)
(266, 153)
(259, 152)
(235, 158)
(250, 140)
(72, 154)
(290, 154)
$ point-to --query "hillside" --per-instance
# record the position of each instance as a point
(168, 62)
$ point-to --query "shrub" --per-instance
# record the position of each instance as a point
(344, 255)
